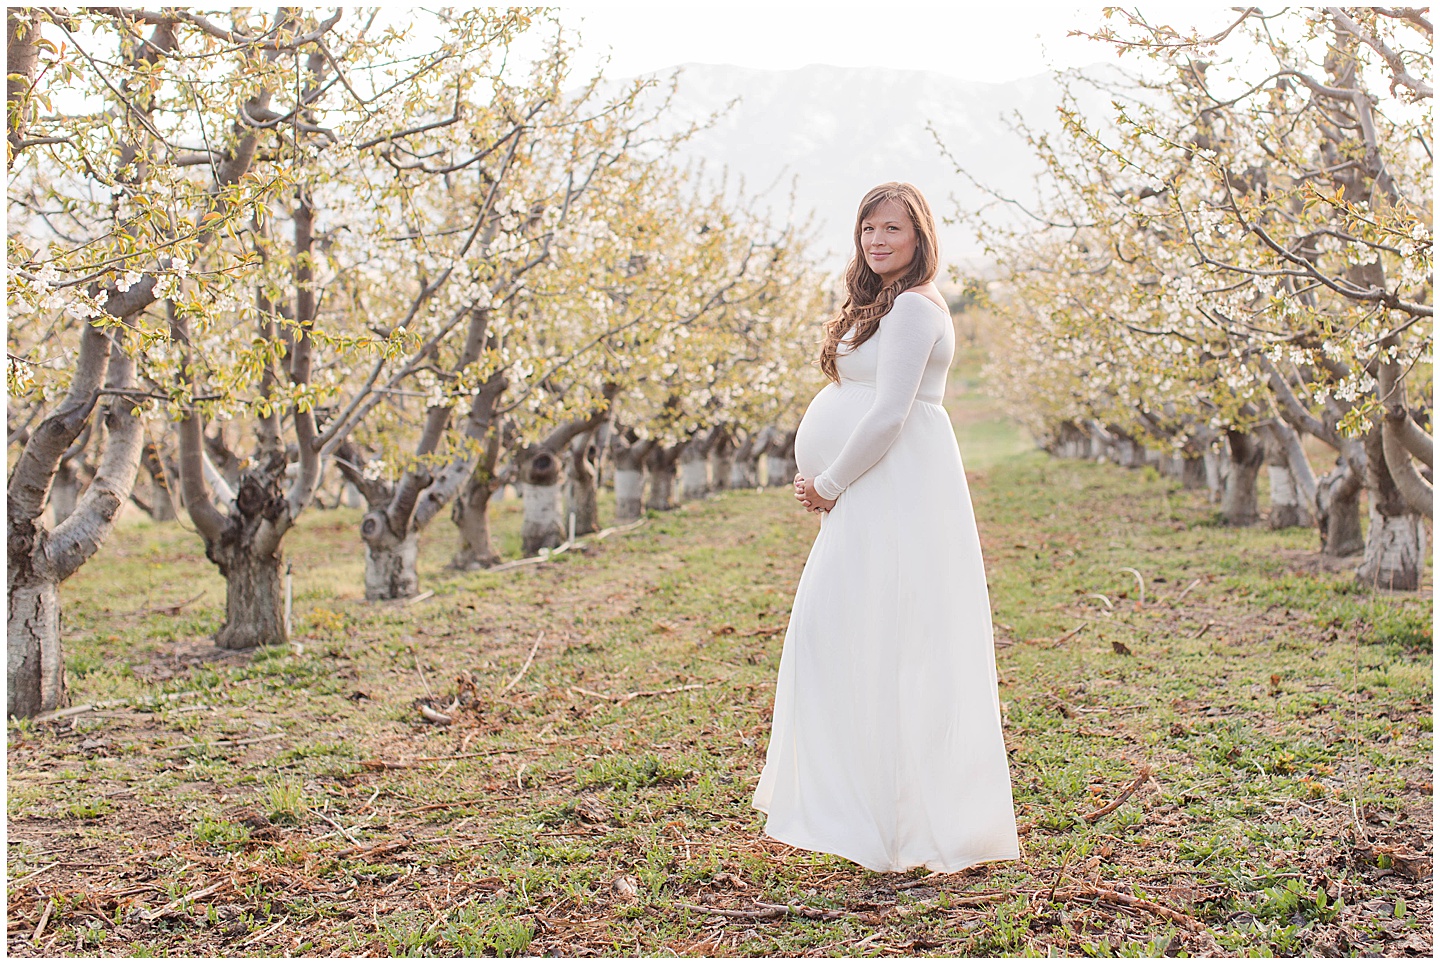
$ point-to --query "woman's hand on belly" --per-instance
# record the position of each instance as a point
(809, 498)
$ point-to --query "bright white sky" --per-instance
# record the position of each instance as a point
(995, 41)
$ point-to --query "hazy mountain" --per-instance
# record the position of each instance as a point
(840, 131)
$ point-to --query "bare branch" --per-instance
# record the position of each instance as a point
(1398, 73)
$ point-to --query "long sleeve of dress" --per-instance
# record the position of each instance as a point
(907, 337)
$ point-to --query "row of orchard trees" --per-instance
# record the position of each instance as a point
(304, 239)
(1238, 259)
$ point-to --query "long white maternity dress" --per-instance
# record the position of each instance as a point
(885, 746)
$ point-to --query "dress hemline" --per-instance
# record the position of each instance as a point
(942, 868)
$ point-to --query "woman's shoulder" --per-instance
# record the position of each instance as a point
(920, 312)
(912, 295)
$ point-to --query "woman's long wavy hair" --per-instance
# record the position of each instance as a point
(867, 298)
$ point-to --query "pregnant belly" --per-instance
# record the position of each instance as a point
(827, 424)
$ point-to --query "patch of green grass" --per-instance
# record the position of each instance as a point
(285, 801)
(627, 773)
(222, 833)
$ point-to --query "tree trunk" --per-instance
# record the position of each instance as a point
(628, 458)
(350, 497)
(541, 526)
(1289, 503)
(1395, 544)
(161, 503)
(695, 466)
(1337, 503)
(629, 494)
(471, 513)
(661, 465)
(780, 468)
(1192, 472)
(390, 572)
(254, 600)
(722, 460)
(35, 678)
(1125, 451)
(582, 488)
(1239, 501)
(38, 561)
(744, 471)
(65, 490)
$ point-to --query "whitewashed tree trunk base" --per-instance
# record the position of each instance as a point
(775, 472)
(722, 468)
(1214, 474)
(1394, 552)
(661, 495)
(744, 474)
(694, 476)
(351, 497)
(629, 492)
(541, 525)
(1240, 497)
(1286, 510)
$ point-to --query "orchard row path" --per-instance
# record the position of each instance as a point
(1217, 745)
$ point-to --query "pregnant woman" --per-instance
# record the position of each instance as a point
(885, 746)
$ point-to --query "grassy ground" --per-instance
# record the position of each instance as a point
(1274, 724)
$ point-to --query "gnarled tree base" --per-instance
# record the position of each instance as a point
(254, 602)
(390, 565)
(35, 665)
(1394, 553)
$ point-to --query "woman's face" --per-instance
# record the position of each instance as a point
(888, 240)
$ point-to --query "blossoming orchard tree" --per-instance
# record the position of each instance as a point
(645, 280)
(517, 208)
(358, 284)
(132, 155)
(1247, 249)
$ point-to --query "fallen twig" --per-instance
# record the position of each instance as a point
(38, 871)
(231, 743)
(439, 806)
(338, 827)
(1060, 640)
(567, 545)
(1186, 592)
(1140, 778)
(425, 683)
(107, 704)
(1130, 901)
(766, 911)
(538, 637)
(434, 716)
(626, 698)
(414, 599)
(264, 934)
(371, 852)
(171, 609)
(44, 920)
(379, 765)
(178, 902)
